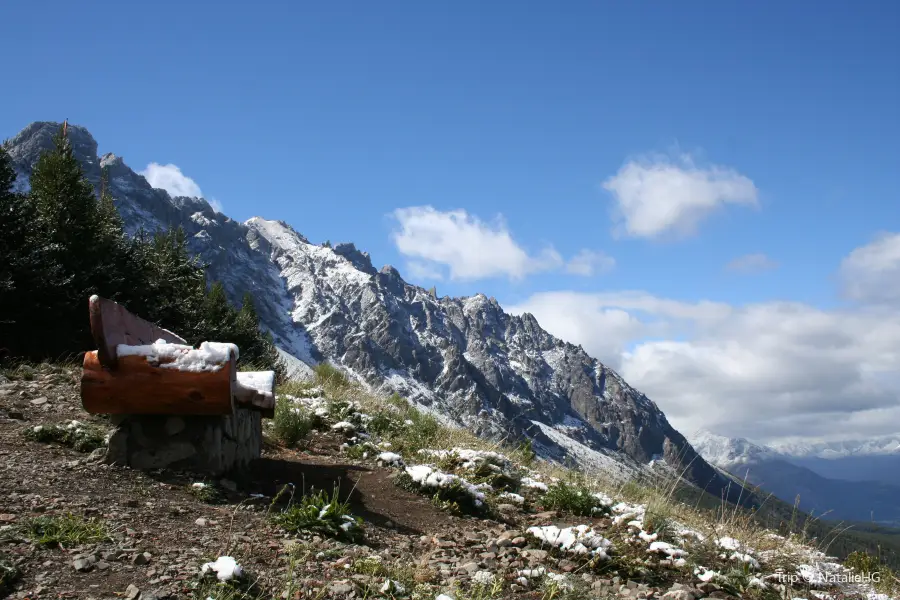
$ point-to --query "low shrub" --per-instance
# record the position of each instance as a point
(291, 423)
(574, 498)
(9, 574)
(320, 513)
(76, 435)
(65, 530)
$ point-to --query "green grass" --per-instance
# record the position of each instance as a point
(574, 498)
(866, 564)
(329, 375)
(83, 438)
(291, 423)
(208, 493)
(65, 530)
(322, 514)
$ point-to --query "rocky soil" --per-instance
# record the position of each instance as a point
(161, 532)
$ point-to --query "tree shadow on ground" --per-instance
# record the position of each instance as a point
(355, 485)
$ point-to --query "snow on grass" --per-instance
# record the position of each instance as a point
(429, 478)
(673, 553)
(344, 427)
(531, 483)
(512, 498)
(472, 460)
(210, 356)
(580, 539)
(225, 568)
(631, 514)
(390, 459)
(704, 574)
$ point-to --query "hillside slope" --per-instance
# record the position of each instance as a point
(464, 359)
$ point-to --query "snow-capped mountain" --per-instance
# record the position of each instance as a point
(833, 498)
(829, 450)
(464, 359)
(729, 453)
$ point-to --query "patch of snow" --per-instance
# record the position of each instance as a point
(225, 568)
(390, 458)
(483, 578)
(530, 483)
(704, 574)
(512, 498)
(260, 384)
(210, 356)
(428, 477)
(580, 539)
(344, 427)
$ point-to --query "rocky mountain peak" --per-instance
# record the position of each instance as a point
(360, 260)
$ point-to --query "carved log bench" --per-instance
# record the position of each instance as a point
(173, 405)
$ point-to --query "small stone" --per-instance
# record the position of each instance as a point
(85, 564)
(202, 522)
(39, 401)
(519, 542)
(141, 559)
(132, 592)
(471, 568)
(340, 588)
(535, 554)
(102, 565)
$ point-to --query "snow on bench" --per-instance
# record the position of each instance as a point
(140, 368)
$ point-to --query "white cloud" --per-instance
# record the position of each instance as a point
(470, 248)
(170, 178)
(751, 263)
(216, 205)
(587, 263)
(871, 273)
(662, 195)
(765, 371)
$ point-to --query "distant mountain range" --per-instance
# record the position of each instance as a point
(882, 446)
(788, 479)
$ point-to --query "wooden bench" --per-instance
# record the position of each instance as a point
(142, 369)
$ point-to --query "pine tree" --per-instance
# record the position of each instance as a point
(27, 270)
(168, 285)
(260, 348)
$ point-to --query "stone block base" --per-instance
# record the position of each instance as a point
(215, 445)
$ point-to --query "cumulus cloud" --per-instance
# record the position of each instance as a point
(587, 263)
(469, 248)
(751, 263)
(871, 273)
(170, 178)
(766, 371)
(664, 195)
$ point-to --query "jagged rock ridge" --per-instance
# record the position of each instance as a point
(464, 359)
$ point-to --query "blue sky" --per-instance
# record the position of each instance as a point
(331, 116)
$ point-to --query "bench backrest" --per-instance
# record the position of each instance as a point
(112, 324)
